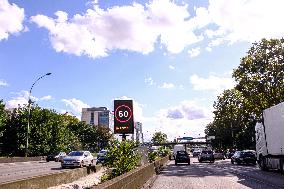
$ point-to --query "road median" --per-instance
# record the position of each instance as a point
(49, 180)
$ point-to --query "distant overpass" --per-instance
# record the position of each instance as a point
(174, 143)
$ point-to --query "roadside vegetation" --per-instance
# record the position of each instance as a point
(121, 158)
(259, 85)
(162, 151)
(49, 132)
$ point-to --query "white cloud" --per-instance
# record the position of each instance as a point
(209, 49)
(134, 27)
(246, 20)
(194, 52)
(167, 86)
(149, 81)
(75, 104)
(171, 67)
(3, 83)
(11, 19)
(186, 119)
(212, 83)
(48, 97)
(22, 98)
(181, 87)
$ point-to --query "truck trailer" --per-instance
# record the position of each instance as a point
(270, 138)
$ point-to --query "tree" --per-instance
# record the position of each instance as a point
(260, 76)
(3, 118)
(49, 132)
(159, 138)
(233, 124)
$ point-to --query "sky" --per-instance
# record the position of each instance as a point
(172, 58)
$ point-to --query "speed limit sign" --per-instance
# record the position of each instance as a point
(123, 113)
(123, 117)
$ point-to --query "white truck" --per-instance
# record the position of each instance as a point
(270, 138)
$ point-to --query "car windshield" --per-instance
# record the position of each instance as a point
(181, 153)
(76, 153)
(247, 154)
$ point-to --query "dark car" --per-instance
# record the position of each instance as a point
(101, 159)
(230, 153)
(57, 156)
(206, 155)
(244, 157)
(182, 157)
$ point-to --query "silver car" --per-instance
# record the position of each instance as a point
(77, 159)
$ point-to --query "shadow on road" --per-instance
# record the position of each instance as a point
(247, 175)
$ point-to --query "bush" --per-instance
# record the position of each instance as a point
(121, 158)
(152, 156)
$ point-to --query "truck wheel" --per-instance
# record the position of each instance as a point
(262, 164)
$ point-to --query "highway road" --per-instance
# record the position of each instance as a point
(219, 175)
(19, 170)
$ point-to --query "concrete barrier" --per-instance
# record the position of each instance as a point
(49, 180)
(136, 178)
(21, 159)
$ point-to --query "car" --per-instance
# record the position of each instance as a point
(102, 153)
(77, 159)
(230, 153)
(101, 160)
(178, 147)
(219, 154)
(244, 157)
(154, 148)
(196, 152)
(206, 155)
(182, 157)
(57, 156)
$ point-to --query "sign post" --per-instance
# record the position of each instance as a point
(123, 117)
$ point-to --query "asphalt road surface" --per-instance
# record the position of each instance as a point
(19, 170)
(221, 174)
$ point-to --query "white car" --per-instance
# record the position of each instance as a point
(77, 159)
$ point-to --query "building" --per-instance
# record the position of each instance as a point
(96, 116)
(138, 132)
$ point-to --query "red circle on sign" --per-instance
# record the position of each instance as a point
(129, 110)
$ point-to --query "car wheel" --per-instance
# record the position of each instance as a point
(232, 162)
(63, 167)
(175, 163)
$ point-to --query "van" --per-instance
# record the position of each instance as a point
(178, 147)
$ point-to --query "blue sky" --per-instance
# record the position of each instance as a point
(171, 57)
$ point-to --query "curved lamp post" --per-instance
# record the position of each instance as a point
(29, 112)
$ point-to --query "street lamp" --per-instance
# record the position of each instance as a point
(29, 112)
